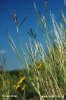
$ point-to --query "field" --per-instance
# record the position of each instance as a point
(43, 76)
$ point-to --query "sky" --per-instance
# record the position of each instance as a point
(22, 8)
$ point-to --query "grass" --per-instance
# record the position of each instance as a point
(44, 72)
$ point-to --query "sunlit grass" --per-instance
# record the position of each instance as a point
(45, 71)
(46, 75)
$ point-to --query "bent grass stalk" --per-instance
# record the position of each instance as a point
(51, 78)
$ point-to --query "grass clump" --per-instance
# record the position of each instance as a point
(45, 71)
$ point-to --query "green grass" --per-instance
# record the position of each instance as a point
(45, 71)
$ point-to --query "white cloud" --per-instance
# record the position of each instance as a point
(2, 51)
(65, 2)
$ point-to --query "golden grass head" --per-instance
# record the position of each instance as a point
(17, 86)
(39, 65)
(24, 87)
(21, 80)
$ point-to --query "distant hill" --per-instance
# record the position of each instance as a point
(1, 68)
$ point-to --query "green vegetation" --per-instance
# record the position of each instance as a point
(44, 74)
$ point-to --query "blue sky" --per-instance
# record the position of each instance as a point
(22, 8)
